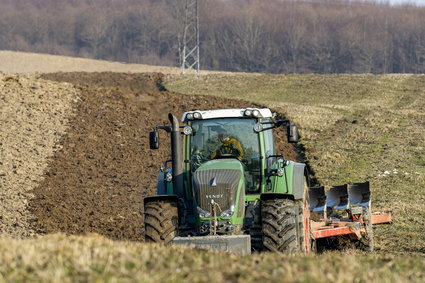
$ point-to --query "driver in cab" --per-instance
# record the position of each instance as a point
(229, 146)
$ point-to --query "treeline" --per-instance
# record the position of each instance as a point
(274, 36)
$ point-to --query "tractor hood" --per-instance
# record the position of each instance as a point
(228, 163)
(221, 180)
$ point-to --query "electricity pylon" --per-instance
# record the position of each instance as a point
(190, 52)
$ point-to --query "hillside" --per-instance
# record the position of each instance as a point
(74, 161)
(23, 62)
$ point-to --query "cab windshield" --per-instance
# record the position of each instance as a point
(227, 138)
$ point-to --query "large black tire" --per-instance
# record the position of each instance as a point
(304, 234)
(161, 221)
(256, 234)
(279, 225)
(366, 242)
(256, 230)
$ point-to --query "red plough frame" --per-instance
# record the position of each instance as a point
(352, 228)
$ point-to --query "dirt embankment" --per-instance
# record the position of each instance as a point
(97, 181)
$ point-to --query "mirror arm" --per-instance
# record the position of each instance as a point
(274, 124)
(279, 123)
(165, 128)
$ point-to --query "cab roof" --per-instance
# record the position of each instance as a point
(227, 113)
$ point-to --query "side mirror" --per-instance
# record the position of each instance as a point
(292, 132)
(154, 140)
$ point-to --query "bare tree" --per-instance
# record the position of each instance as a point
(337, 36)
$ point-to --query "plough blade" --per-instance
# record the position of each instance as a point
(317, 199)
(337, 197)
(354, 196)
(359, 194)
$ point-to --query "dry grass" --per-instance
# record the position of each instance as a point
(60, 258)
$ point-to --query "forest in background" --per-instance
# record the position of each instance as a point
(273, 36)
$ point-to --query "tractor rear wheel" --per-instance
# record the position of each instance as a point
(161, 221)
(302, 207)
(279, 225)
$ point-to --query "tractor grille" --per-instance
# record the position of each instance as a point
(220, 185)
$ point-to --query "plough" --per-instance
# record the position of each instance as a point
(344, 210)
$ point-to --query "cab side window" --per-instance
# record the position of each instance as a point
(268, 142)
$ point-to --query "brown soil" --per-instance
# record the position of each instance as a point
(96, 180)
(34, 115)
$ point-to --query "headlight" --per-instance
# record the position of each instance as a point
(258, 127)
(187, 130)
(227, 213)
(280, 172)
(189, 116)
(168, 177)
(252, 113)
(197, 115)
(202, 213)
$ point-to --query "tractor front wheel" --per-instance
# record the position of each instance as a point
(279, 225)
(161, 221)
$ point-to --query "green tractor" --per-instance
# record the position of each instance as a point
(227, 188)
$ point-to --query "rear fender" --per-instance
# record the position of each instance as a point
(269, 196)
(174, 198)
(299, 175)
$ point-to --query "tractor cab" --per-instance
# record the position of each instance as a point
(242, 134)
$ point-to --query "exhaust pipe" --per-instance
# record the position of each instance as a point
(177, 156)
(359, 194)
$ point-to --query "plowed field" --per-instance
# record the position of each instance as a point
(87, 162)
(74, 159)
